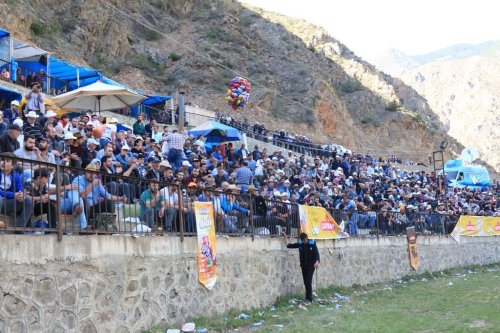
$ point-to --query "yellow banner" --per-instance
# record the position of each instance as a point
(477, 226)
(318, 223)
(412, 248)
(207, 262)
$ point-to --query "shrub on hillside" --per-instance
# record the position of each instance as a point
(393, 106)
(352, 85)
(37, 27)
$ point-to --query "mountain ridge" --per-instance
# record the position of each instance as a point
(309, 82)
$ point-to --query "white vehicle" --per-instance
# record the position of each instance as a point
(338, 148)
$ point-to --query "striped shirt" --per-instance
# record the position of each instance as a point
(36, 130)
(176, 140)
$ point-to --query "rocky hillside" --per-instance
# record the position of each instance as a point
(303, 79)
(462, 86)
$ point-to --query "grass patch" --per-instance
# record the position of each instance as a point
(151, 35)
(174, 56)
(458, 300)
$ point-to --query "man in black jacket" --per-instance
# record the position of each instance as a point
(8, 140)
(309, 260)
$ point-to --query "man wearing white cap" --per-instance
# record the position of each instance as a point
(123, 156)
(13, 112)
(89, 152)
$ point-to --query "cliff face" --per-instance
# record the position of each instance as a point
(465, 94)
(303, 80)
(462, 86)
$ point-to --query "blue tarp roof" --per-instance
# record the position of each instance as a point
(66, 71)
(4, 33)
(216, 132)
(155, 99)
(9, 95)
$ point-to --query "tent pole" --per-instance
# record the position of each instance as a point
(48, 73)
(182, 110)
(78, 77)
(99, 103)
(11, 51)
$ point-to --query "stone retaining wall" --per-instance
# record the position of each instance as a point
(125, 284)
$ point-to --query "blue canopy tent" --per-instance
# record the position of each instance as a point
(150, 106)
(8, 95)
(215, 133)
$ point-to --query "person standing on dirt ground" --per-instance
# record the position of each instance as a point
(309, 260)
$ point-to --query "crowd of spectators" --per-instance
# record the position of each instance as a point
(362, 191)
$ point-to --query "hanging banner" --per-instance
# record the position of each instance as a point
(476, 226)
(411, 236)
(319, 224)
(207, 263)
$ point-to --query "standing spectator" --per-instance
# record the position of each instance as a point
(138, 126)
(149, 128)
(244, 177)
(176, 145)
(309, 261)
(35, 99)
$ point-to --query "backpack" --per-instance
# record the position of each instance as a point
(105, 222)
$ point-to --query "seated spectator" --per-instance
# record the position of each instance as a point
(152, 209)
(13, 201)
(31, 126)
(39, 194)
(113, 183)
(10, 114)
(95, 197)
(231, 209)
(29, 152)
(3, 124)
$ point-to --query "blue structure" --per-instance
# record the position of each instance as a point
(462, 175)
(215, 133)
(63, 75)
(9, 95)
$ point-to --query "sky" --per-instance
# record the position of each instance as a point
(369, 27)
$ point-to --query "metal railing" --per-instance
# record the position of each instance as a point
(39, 197)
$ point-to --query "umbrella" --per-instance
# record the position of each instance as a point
(98, 97)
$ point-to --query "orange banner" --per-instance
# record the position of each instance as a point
(412, 248)
(318, 223)
(207, 262)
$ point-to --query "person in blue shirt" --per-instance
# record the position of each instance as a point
(12, 198)
(93, 193)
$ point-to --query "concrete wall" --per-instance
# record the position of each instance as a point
(124, 284)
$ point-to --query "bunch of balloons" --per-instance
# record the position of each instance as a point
(238, 92)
